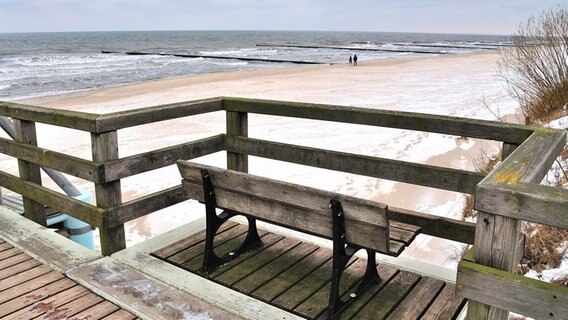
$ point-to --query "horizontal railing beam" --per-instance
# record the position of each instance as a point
(57, 117)
(528, 202)
(128, 166)
(511, 133)
(140, 207)
(508, 291)
(74, 166)
(419, 174)
(55, 200)
(136, 117)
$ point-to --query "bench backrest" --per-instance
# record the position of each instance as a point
(290, 205)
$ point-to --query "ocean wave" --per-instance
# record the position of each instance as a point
(4, 86)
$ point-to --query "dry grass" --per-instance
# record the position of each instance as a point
(543, 247)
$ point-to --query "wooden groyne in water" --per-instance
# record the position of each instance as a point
(347, 48)
(186, 55)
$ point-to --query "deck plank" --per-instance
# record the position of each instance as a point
(275, 267)
(17, 268)
(97, 311)
(25, 287)
(188, 242)
(6, 263)
(29, 298)
(447, 306)
(72, 307)
(9, 253)
(287, 279)
(195, 263)
(268, 240)
(382, 304)
(120, 315)
(50, 303)
(23, 277)
(418, 300)
(5, 246)
(317, 303)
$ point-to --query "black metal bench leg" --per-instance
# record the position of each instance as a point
(342, 253)
(214, 222)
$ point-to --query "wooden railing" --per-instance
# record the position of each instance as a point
(504, 197)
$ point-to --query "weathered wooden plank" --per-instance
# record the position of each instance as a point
(386, 273)
(73, 307)
(414, 173)
(4, 264)
(357, 232)
(439, 305)
(120, 315)
(129, 118)
(301, 196)
(62, 118)
(108, 195)
(98, 311)
(418, 300)
(49, 303)
(5, 254)
(196, 250)
(317, 304)
(55, 200)
(74, 166)
(482, 129)
(237, 125)
(28, 286)
(142, 206)
(246, 263)
(188, 242)
(288, 278)
(222, 248)
(507, 149)
(24, 276)
(382, 304)
(28, 298)
(5, 246)
(26, 133)
(17, 268)
(128, 166)
(285, 260)
(502, 289)
(433, 225)
(528, 202)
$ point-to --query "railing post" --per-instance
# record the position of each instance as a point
(497, 241)
(237, 125)
(105, 147)
(507, 149)
(26, 133)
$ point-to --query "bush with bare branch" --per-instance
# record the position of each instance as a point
(535, 67)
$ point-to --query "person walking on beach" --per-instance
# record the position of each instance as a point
(355, 60)
(350, 60)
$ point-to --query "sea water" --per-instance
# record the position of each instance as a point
(40, 64)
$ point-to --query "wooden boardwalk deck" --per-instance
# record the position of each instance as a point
(32, 290)
(295, 275)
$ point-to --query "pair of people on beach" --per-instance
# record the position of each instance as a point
(353, 60)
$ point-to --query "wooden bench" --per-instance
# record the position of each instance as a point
(351, 223)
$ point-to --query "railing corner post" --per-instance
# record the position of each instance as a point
(237, 125)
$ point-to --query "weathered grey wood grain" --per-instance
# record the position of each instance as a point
(142, 206)
(108, 195)
(26, 134)
(237, 125)
(75, 166)
(366, 225)
(433, 225)
(55, 200)
(130, 118)
(482, 129)
(420, 174)
(507, 149)
(300, 196)
(528, 202)
(63, 118)
(128, 166)
(529, 297)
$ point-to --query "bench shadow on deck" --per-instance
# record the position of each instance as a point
(30, 289)
(295, 276)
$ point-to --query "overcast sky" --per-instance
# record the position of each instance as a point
(440, 16)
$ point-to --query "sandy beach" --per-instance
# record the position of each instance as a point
(456, 85)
